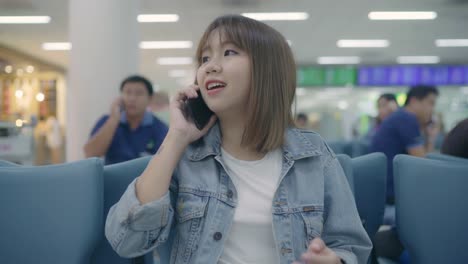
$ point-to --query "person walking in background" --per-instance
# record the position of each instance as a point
(129, 131)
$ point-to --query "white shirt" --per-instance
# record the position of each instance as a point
(251, 239)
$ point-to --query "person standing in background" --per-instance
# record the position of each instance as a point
(129, 131)
(386, 105)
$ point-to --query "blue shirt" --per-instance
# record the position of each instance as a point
(130, 144)
(398, 133)
(191, 222)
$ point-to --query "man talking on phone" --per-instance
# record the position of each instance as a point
(129, 131)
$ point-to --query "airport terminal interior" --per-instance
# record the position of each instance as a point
(88, 90)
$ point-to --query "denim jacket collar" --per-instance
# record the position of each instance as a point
(297, 146)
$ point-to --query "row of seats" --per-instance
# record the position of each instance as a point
(56, 213)
(431, 204)
(353, 148)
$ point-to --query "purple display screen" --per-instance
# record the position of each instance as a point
(406, 75)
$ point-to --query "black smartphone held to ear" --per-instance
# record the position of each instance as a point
(196, 111)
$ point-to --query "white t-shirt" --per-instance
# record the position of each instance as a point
(251, 239)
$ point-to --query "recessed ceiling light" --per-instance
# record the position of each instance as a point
(175, 61)
(278, 16)
(362, 43)
(24, 19)
(166, 44)
(56, 46)
(420, 15)
(451, 42)
(418, 59)
(157, 18)
(339, 60)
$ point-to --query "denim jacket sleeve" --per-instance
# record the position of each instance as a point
(133, 229)
(343, 231)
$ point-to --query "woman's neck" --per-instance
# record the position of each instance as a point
(232, 130)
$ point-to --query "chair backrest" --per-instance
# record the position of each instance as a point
(432, 209)
(346, 164)
(370, 176)
(117, 177)
(51, 214)
(5, 163)
(339, 147)
(439, 156)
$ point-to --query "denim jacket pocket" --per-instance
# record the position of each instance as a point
(191, 209)
(313, 221)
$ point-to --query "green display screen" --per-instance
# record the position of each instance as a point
(326, 76)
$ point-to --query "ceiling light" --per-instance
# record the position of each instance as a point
(19, 93)
(177, 73)
(40, 97)
(8, 69)
(418, 59)
(166, 44)
(24, 19)
(175, 61)
(451, 42)
(402, 15)
(277, 16)
(30, 69)
(338, 60)
(157, 18)
(56, 46)
(362, 43)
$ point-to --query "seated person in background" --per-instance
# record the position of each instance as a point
(401, 132)
(386, 105)
(129, 131)
(407, 131)
(456, 141)
(302, 121)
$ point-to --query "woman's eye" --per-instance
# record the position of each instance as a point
(204, 59)
(230, 52)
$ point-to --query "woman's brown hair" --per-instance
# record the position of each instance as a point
(273, 78)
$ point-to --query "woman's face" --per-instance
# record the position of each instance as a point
(224, 75)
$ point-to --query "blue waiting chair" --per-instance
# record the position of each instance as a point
(439, 156)
(51, 214)
(370, 181)
(346, 164)
(5, 163)
(432, 209)
(117, 177)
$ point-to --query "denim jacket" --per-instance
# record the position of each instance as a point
(312, 199)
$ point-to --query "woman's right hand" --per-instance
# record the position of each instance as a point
(178, 125)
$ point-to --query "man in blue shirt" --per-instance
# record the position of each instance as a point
(129, 131)
(405, 131)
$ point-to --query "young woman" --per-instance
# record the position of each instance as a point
(248, 188)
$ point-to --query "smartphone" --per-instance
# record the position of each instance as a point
(196, 111)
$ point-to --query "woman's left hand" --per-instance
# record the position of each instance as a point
(319, 253)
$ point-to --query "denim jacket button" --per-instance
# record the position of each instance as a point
(230, 194)
(217, 236)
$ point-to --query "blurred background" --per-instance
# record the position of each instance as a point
(61, 62)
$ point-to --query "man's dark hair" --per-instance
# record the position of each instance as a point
(138, 79)
(388, 97)
(420, 92)
(301, 116)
